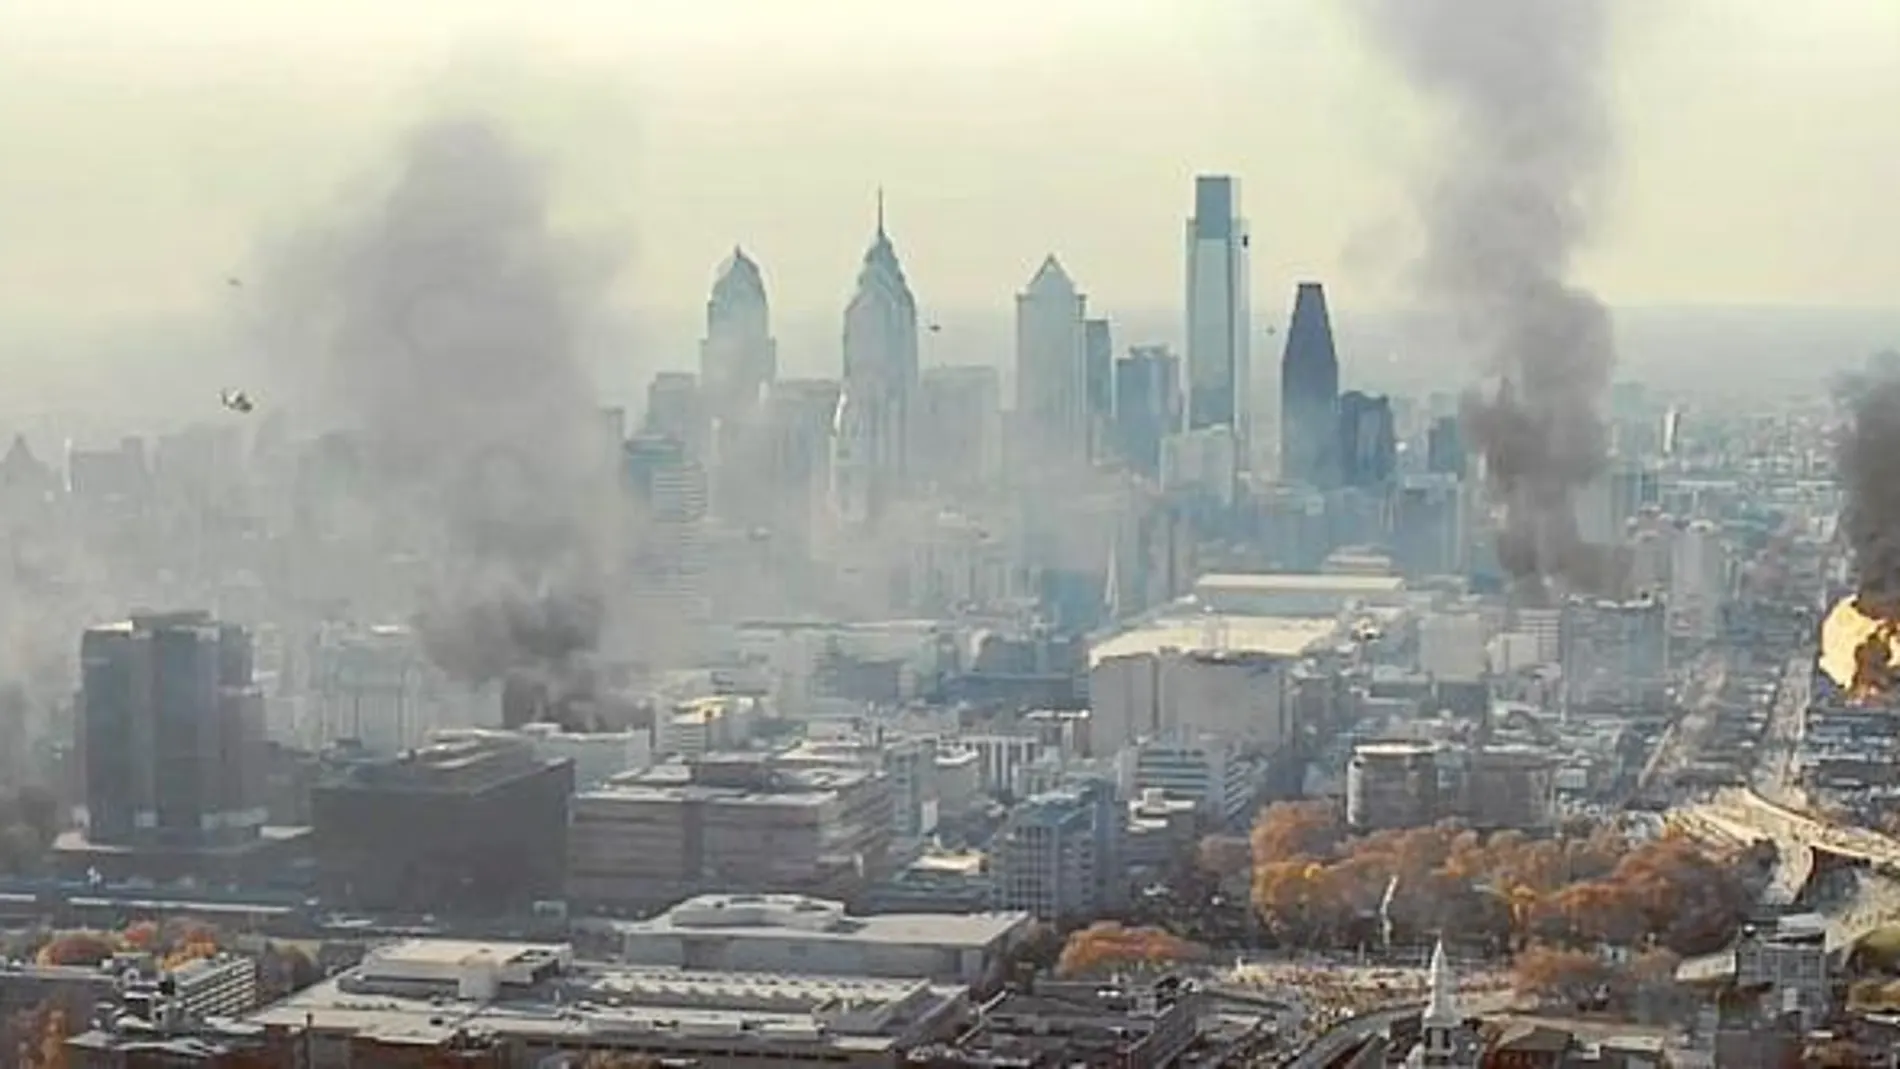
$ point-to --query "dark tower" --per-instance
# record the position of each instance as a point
(1368, 445)
(1309, 393)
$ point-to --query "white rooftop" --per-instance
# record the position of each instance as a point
(1277, 636)
(789, 916)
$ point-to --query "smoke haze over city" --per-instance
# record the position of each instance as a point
(965, 534)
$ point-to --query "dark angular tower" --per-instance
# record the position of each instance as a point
(1309, 393)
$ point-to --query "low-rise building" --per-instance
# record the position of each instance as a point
(793, 933)
(729, 822)
(1127, 1026)
(520, 1004)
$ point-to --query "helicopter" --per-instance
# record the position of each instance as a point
(237, 400)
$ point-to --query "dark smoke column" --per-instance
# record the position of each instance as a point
(1504, 208)
(443, 323)
(1869, 457)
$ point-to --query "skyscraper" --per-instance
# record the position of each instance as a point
(1098, 343)
(1051, 372)
(1218, 311)
(1309, 393)
(1147, 405)
(880, 373)
(959, 427)
(171, 733)
(738, 359)
(1368, 443)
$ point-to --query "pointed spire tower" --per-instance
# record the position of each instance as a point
(880, 364)
(1441, 1007)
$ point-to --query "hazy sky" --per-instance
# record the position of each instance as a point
(147, 147)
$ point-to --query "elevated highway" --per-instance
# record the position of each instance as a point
(1803, 843)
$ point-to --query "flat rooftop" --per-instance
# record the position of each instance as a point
(1303, 583)
(1276, 636)
(787, 916)
(603, 1003)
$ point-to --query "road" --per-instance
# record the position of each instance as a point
(1701, 705)
(1345, 1036)
(1774, 773)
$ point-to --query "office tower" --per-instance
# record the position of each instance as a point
(1051, 374)
(799, 415)
(880, 381)
(1309, 393)
(372, 686)
(729, 822)
(1059, 854)
(1148, 405)
(1219, 370)
(171, 733)
(1201, 464)
(738, 359)
(1098, 344)
(960, 427)
(669, 491)
(477, 825)
(1445, 447)
(1368, 443)
(1698, 582)
(1428, 524)
(676, 409)
(1615, 655)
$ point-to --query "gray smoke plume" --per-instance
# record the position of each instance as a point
(444, 323)
(1504, 211)
(1870, 520)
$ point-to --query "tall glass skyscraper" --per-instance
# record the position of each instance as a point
(1218, 311)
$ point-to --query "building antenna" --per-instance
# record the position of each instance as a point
(880, 210)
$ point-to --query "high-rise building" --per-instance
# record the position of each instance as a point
(728, 822)
(1445, 447)
(669, 490)
(1098, 344)
(1059, 854)
(880, 379)
(799, 417)
(1148, 405)
(1219, 368)
(1368, 442)
(1698, 582)
(960, 426)
(738, 359)
(1615, 655)
(1051, 373)
(1309, 393)
(171, 733)
(676, 409)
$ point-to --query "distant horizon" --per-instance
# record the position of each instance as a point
(143, 377)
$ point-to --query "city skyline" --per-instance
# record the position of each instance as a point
(979, 180)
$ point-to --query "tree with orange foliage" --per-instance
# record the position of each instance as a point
(141, 936)
(1109, 945)
(1289, 830)
(1313, 886)
(78, 948)
(1556, 974)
